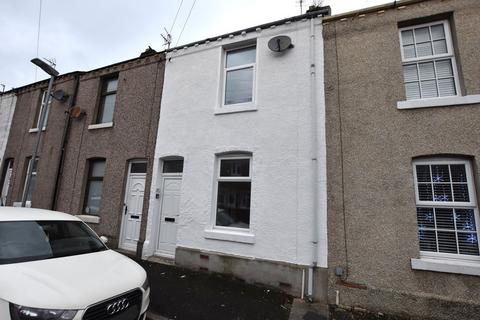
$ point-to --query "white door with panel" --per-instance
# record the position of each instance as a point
(133, 206)
(169, 208)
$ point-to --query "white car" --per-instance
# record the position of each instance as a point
(53, 266)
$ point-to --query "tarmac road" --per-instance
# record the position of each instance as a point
(182, 294)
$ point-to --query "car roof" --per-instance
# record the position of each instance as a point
(31, 214)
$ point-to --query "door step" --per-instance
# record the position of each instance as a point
(161, 260)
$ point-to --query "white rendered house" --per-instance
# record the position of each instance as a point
(239, 178)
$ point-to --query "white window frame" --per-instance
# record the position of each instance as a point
(456, 205)
(218, 179)
(450, 55)
(43, 103)
(240, 67)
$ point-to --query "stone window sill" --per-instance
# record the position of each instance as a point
(439, 102)
(227, 235)
(235, 108)
(33, 130)
(100, 125)
(448, 266)
(28, 204)
(89, 218)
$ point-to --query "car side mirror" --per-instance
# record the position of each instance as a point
(104, 239)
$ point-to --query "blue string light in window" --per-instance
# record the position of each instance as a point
(442, 197)
(421, 233)
(428, 216)
(468, 225)
(472, 238)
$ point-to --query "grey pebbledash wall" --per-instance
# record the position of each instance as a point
(21, 140)
(370, 145)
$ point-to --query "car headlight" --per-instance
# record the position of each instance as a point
(25, 313)
(146, 285)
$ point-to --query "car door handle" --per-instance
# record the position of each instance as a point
(135, 217)
(170, 219)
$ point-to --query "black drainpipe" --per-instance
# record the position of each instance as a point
(66, 129)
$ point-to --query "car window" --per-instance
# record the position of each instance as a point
(22, 241)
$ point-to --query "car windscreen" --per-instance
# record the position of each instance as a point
(22, 241)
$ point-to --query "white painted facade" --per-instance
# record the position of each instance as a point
(7, 107)
(278, 129)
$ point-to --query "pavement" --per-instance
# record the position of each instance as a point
(179, 294)
(182, 294)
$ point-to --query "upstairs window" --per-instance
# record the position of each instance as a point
(42, 103)
(107, 100)
(447, 212)
(94, 187)
(428, 59)
(239, 75)
(234, 186)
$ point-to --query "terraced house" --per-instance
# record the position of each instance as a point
(402, 115)
(239, 174)
(7, 107)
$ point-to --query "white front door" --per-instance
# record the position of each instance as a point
(132, 209)
(169, 212)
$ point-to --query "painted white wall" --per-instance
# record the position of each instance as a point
(279, 135)
(7, 107)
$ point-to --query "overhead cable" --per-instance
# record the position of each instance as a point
(183, 28)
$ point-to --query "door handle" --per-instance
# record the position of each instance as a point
(125, 210)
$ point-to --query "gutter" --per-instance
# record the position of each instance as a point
(323, 11)
(374, 9)
(66, 129)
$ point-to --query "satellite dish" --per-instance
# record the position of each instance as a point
(76, 112)
(59, 95)
(280, 43)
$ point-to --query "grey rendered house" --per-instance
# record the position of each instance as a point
(95, 155)
(403, 147)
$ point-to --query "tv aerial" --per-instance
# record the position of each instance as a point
(167, 38)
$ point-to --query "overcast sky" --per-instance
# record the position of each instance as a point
(87, 34)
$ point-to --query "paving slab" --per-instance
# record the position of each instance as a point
(302, 310)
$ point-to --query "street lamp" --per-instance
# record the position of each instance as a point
(53, 73)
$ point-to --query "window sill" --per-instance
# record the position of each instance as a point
(28, 204)
(100, 125)
(88, 218)
(235, 109)
(227, 235)
(33, 130)
(439, 102)
(448, 266)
